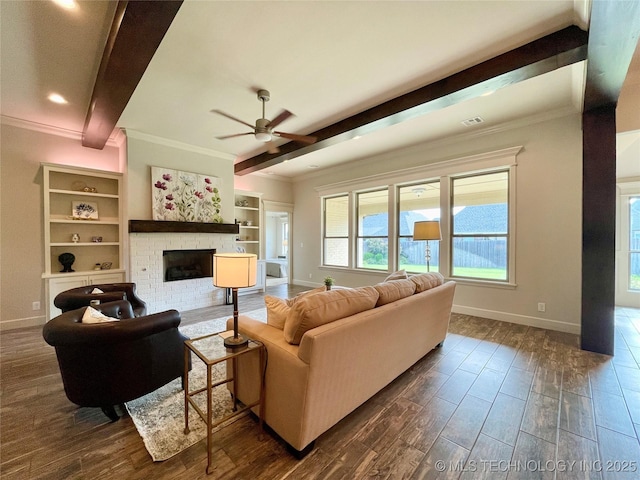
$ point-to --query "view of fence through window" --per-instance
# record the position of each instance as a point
(373, 229)
(634, 243)
(417, 203)
(480, 220)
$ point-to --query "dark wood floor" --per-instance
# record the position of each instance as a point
(497, 401)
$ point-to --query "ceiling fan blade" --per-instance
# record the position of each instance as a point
(224, 137)
(298, 138)
(231, 117)
(273, 148)
(281, 117)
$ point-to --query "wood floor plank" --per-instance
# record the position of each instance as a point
(444, 461)
(43, 435)
(517, 383)
(541, 417)
(576, 415)
(504, 419)
(530, 457)
(487, 385)
(619, 454)
(577, 458)
(488, 460)
(464, 425)
(611, 413)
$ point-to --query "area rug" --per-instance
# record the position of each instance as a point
(159, 416)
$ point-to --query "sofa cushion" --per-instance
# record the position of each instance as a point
(399, 275)
(394, 290)
(293, 300)
(311, 311)
(91, 315)
(426, 281)
(277, 311)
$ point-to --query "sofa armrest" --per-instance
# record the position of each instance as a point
(285, 382)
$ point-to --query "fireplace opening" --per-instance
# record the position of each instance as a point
(187, 264)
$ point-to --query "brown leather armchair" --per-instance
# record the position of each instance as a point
(82, 296)
(107, 364)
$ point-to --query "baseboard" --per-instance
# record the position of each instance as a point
(22, 323)
(305, 283)
(519, 319)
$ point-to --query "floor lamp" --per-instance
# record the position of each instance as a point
(234, 270)
(427, 230)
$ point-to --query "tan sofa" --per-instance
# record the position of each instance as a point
(337, 366)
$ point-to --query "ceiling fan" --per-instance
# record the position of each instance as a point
(264, 128)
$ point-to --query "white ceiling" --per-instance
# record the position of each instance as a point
(322, 60)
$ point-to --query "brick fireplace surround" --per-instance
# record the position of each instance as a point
(147, 270)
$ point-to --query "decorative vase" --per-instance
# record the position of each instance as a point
(67, 259)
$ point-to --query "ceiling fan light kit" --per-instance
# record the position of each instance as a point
(263, 129)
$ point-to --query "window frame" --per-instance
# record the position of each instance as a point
(361, 238)
(324, 231)
(507, 235)
(492, 161)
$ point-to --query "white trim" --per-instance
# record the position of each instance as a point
(22, 323)
(115, 140)
(471, 164)
(538, 322)
(179, 145)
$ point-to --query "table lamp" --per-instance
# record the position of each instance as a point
(427, 230)
(234, 270)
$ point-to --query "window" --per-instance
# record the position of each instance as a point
(480, 226)
(634, 243)
(373, 229)
(336, 231)
(416, 203)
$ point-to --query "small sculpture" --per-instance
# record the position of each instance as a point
(67, 259)
(75, 237)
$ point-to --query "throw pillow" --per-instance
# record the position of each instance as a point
(96, 290)
(392, 291)
(306, 293)
(399, 275)
(426, 281)
(91, 315)
(277, 311)
(312, 311)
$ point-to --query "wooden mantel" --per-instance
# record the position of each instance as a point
(153, 226)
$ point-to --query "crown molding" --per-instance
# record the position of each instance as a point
(116, 139)
(446, 141)
(147, 137)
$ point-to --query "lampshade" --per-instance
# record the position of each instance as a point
(234, 270)
(427, 230)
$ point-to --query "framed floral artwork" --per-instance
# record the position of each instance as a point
(185, 196)
(84, 210)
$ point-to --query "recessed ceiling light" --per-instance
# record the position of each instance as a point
(357, 137)
(57, 98)
(313, 166)
(486, 94)
(66, 4)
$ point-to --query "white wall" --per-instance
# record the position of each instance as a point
(144, 154)
(548, 217)
(21, 218)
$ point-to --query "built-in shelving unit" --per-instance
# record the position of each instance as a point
(100, 240)
(248, 213)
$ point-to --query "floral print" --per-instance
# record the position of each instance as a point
(185, 196)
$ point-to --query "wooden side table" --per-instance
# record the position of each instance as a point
(211, 350)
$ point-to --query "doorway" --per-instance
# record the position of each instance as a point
(277, 242)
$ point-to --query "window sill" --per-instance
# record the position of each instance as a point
(483, 283)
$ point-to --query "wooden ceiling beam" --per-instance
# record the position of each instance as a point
(136, 32)
(546, 54)
(614, 30)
